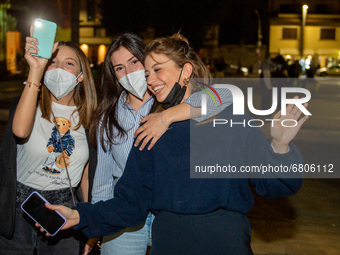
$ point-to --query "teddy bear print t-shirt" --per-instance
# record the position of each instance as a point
(40, 161)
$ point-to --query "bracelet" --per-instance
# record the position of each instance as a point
(160, 114)
(31, 83)
(271, 144)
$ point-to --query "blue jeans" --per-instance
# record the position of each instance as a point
(27, 238)
(131, 241)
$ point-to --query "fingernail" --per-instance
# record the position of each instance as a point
(140, 148)
(149, 149)
(135, 145)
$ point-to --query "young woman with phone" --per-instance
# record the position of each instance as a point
(45, 146)
(193, 216)
(124, 101)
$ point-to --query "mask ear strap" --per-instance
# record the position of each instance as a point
(78, 77)
(180, 74)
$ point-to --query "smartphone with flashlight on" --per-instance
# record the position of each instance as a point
(44, 31)
(34, 206)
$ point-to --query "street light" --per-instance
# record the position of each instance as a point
(304, 15)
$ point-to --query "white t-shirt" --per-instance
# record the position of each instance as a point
(40, 164)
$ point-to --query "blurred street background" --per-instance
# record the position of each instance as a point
(236, 38)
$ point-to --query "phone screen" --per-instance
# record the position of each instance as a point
(50, 220)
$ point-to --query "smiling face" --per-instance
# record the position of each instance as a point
(161, 75)
(125, 62)
(66, 59)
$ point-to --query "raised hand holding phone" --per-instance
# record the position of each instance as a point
(45, 32)
(40, 43)
(32, 50)
(24, 115)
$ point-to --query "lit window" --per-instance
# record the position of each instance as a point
(101, 53)
(85, 49)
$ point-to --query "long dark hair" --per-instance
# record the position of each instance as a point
(109, 91)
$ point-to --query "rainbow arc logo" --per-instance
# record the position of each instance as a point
(210, 94)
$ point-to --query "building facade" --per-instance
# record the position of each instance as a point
(92, 37)
(310, 34)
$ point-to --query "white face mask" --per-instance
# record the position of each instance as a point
(60, 82)
(135, 83)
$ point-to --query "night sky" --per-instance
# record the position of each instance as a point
(237, 20)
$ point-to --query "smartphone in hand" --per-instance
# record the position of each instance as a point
(44, 31)
(34, 206)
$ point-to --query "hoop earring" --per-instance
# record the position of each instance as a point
(186, 81)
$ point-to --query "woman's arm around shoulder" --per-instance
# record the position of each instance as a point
(156, 124)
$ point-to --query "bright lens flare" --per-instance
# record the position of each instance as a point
(38, 23)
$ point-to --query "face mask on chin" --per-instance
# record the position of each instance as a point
(175, 96)
(135, 83)
(60, 82)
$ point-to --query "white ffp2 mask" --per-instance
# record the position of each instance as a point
(60, 82)
(135, 83)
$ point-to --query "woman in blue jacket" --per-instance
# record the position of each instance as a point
(123, 102)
